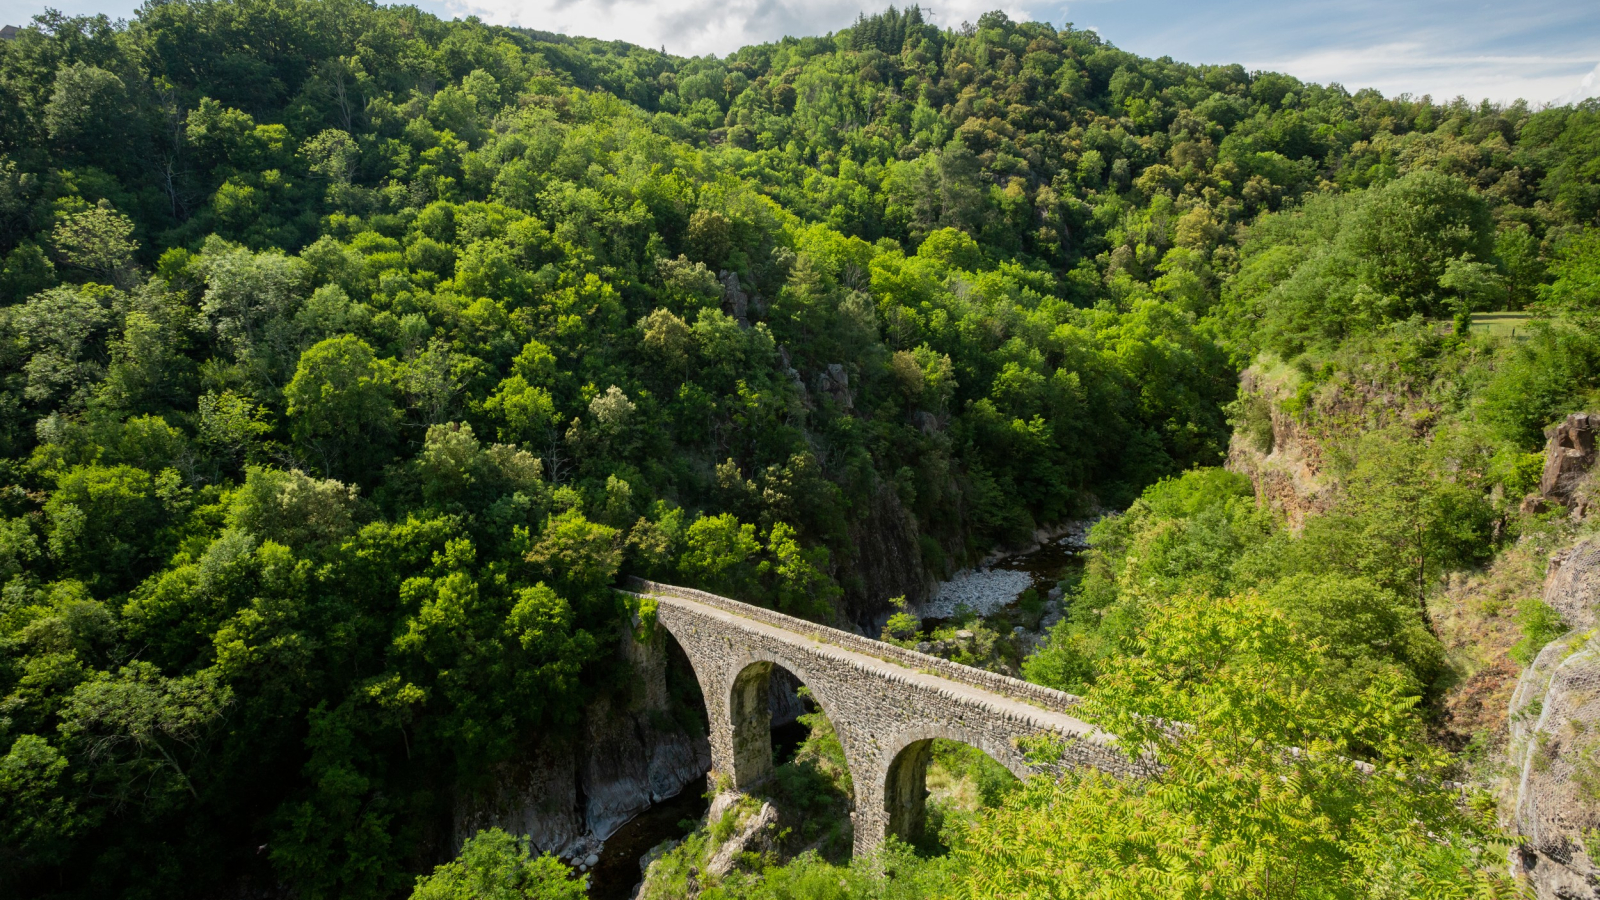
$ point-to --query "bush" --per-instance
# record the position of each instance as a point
(1539, 625)
(494, 865)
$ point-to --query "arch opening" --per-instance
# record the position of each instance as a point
(685, 706)
(769, 708)
(932, 780)
(787, 751)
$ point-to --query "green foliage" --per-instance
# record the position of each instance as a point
(1348, 579)
(494, 865)
(1537, 381)
(1576, 271)
(1233, 813)
(1539, 625)
(341, 407)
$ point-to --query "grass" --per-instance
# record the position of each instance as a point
(1502, 324)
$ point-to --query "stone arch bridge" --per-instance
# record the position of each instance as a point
(886, 703)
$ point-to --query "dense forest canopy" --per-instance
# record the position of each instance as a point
(349, 356)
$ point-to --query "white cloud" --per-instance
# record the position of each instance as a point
(1533, 49)
(1418, 69)
(695, 27)
(1588, 87)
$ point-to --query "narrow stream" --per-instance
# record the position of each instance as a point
(618, 870)
(1048, 565)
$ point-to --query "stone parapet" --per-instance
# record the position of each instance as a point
(1015, 688)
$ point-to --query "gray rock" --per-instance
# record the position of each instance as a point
(1555, 715)
(1572, 584)
(835, 382)
(735, 302)
(1569, 456)
(754, 833)
(983, 591)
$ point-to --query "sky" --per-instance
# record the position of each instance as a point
(1544, 51)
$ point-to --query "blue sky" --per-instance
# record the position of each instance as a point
(1546, 51)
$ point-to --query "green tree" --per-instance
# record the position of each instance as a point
(716, 553)
(798, 576)
(87, 111)
(39, 817)
(1232, 812)
(108, 523)
(341, 407)
(494, 865)
(141, 731)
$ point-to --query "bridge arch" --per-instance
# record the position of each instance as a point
(904, 768)
(750, 712)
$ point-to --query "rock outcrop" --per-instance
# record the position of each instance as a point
(834, 381)
(754, 832)
(569, 795)
(1569, 457)
(1556, 750)
(1278, 455)
(1554, 743)
(735, 302)
(887, 561)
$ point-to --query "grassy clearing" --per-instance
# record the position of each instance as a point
(1502, 324)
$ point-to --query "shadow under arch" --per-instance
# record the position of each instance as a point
(750, 703)
(905, 788)
(685, 701)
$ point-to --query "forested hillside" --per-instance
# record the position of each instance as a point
(350, 356)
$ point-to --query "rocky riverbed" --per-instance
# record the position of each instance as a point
(984, 591)
(1001, 579)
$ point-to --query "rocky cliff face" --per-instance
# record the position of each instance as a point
(569, 795)
(1569, 460)
(1279, 455)
(1554, 747)
(888, 559)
